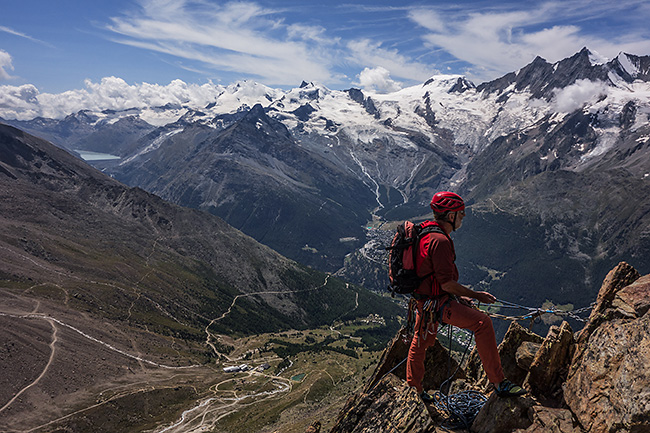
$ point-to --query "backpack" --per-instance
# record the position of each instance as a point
(402, 254)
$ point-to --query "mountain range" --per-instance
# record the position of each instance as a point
(552, 160)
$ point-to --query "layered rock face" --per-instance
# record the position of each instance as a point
(594, 381)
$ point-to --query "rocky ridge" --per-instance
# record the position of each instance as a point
(595, 380)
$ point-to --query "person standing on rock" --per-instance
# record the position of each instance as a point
(440, 298)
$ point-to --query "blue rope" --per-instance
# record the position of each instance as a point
(463, 406)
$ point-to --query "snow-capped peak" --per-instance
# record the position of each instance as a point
(246, 93)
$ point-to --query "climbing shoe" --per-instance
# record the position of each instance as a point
(509, 389)
(426, 397)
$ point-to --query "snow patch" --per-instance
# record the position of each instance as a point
(597, 59)
(606, 140)
(153, 146)
(628, 65)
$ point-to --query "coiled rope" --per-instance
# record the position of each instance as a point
(461, 407)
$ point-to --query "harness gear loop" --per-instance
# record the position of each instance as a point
(432, 310)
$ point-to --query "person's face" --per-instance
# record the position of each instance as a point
(459, 219)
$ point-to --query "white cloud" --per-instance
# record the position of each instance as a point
(25, 102)
(19, 102)
(378, 80)
(5, 63)
(235, 36)
(364, 52)
(575, 96)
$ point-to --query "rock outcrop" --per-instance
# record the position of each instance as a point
(594, 381)
(608, 388)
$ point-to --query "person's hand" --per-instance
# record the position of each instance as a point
(466, 301)
(485, 297)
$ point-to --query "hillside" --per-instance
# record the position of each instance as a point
(106, 287)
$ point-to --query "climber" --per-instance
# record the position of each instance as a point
(440, 298)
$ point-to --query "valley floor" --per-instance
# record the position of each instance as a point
(65, 373)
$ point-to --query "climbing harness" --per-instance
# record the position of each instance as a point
(431, 316)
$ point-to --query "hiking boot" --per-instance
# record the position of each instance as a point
(426, 397)
(509, 389)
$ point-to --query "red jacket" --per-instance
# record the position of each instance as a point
(436, 256)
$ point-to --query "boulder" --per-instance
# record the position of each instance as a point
(512, 341)
(632, 301)
(551, 364)
(608, 387)
(550, 420)
(526, 354)
(500, 415)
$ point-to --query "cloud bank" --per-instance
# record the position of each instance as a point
(26, 102)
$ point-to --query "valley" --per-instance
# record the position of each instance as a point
(78, 379)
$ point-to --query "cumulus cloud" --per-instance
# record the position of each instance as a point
(26, 102)
(378, 80)
(5, 63)
(575, 96)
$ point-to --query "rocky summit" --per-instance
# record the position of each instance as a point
(596, 380)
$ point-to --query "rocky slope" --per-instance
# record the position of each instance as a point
(594, 380)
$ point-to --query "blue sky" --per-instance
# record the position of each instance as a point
(62, 45)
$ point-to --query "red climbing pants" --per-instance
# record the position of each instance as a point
(462, 316)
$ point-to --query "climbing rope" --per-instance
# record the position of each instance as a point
(461, 407)
(532, 313)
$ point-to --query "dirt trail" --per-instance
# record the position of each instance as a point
(47, 366)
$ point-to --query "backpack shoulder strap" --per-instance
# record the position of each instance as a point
(437, 229)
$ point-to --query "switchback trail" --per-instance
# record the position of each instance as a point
(234, 301)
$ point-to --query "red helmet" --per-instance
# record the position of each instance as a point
(445, 201)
